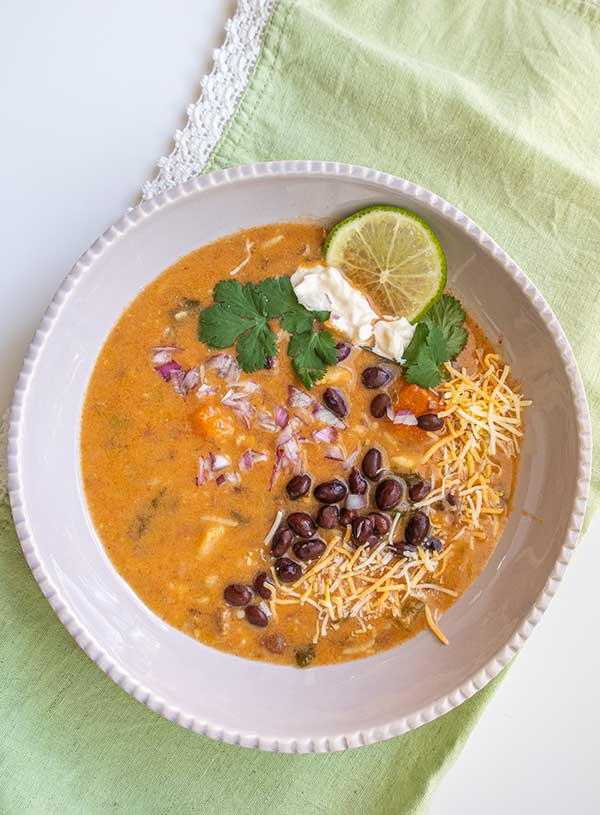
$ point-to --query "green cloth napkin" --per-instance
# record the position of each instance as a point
(493, 106)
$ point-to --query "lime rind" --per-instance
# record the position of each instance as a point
(397, 260)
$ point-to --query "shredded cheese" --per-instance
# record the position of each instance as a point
(434, 626)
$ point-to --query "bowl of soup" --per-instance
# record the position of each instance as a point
(265, 502)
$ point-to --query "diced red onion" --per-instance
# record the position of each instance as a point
(241, 390)
(285, 435)
(161, 357)
(281, 416)
(404, 417)
(250, 458)
(217, 461)
(356, 501)
(266, 421)
(188, 382)
(334, 452)
(321, 414)
(205, 390)
(351, 459)
(228, 478)
(244, 410)
(168, 370)
(328, 435)
(162, 353)
(202, 471)
(299, 399)
(225, 366)
(276, 467)
(291, 452)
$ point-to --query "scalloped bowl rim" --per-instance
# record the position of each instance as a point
(68, 616)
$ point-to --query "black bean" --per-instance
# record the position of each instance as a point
(298, 486)
(379, 405)
(343, 350)
(261, 585)
(328, 517)
(381, 523)
(362, 529)
(389, 493)
(375, 377)
(330, 492)
(433, 544)
(372, 541)
(302, 524)
(256, 616)
(276, 643)
(452, 499)
(282, 540)
(356, 483)
(269, 362)
(430, 421)
(288, 571)
(417, 528)
(372, 464)
(236, 594)
(347, 516)
(335, 401)
(419, 490)
(309, 550)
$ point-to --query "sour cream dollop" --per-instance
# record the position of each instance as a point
(392, 337)
(324, 288)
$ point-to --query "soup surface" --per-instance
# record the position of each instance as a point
(187, 465)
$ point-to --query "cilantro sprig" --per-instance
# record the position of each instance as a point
(241, 314)
(311, 352)
(439, 337)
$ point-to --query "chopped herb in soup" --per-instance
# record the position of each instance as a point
(282, 464)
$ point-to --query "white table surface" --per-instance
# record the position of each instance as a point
(92, 92)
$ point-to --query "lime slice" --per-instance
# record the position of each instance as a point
(392, 256)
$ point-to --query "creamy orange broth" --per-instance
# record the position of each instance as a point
(178, 545)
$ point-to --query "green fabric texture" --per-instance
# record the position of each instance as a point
(490, 104)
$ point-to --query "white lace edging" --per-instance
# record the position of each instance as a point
(222, 89)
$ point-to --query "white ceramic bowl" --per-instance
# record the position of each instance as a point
(251, 703)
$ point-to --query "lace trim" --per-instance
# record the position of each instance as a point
(221, 91)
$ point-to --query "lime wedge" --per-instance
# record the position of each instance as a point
(392, 256)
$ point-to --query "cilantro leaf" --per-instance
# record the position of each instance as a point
(424, 371)
(413, 348)
(423, 356)
(220, 326)
(311, 352)
(278, 296)
(236, 297)
(255, 346)
(439, 337)
(448, 316)
(436, 345)
(297, 320)
(238, 315)
(281, 301)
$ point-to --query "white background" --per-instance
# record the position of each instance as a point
(91, 94)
